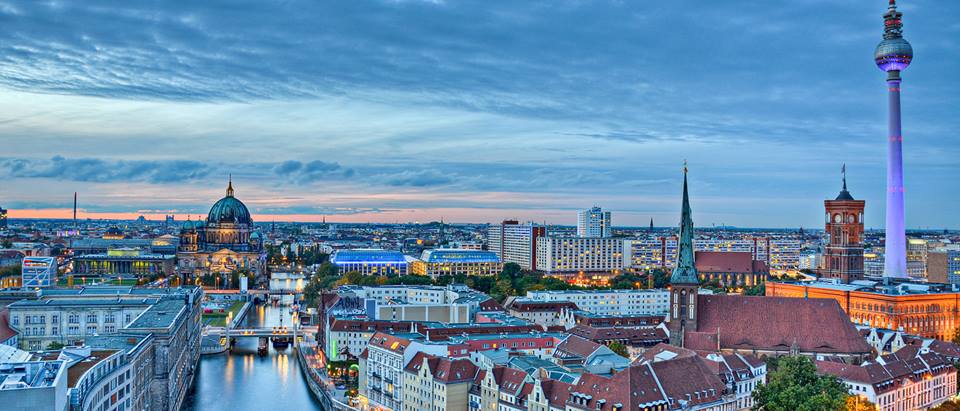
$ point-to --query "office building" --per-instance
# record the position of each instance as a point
(38, 272)
(843, 255)
(515, 243)
(3, 218)
(579, 254)
(609, 302)
(943, 265)
(34, 386)
(593, 222)
(780, 254)
(917, 249)
(440, 262)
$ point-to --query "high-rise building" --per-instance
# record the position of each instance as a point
(593, 222)
(515, 243)
(843, 256)
(893, 55)
(579, 254)
(3, 217)
(943, 265)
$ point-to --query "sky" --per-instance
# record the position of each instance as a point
(472, 111)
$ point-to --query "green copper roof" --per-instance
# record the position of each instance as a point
(685, 271)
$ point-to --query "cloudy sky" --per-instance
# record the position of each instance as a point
(407, 110)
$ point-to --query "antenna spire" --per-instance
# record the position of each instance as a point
(230, 185)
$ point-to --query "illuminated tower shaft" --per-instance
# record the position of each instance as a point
(895, 256)
(893, 55)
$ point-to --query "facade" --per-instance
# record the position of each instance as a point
(593, 222)
(437, 384)
(515, 243)
(900, 381)
(544, 314)
(439, 262)
(38, 272)
(371, 261)
(224, 242)
(781, 255)
(3, 218)
(924, 309)
(917, 254)
(126, 262)
(579, 254)
(843, 255)
(610, 302)
(34, 386)
(943, 265)
(148, 339)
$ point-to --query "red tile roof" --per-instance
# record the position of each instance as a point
(389, 342)
(727, 262)
(443, 370)
(5, 331)
(774, 323)
(576, 346)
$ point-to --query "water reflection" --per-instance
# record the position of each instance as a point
(243, 380)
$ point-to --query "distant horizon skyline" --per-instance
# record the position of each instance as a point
(404, 110)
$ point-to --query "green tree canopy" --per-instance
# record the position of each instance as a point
(619, 348)
(796, 386)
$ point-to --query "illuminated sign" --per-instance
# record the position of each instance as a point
(38, 272)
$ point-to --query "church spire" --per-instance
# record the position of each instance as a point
(685, 271)
(230, 186)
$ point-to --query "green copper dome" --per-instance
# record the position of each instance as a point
(229, 210)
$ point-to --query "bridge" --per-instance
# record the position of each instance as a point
(252, 332)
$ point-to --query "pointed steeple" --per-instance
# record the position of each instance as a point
(230, 186)
(844, 194)
(685, 271)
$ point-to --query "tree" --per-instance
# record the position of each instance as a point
(619, 348)
(795, 386)
(858, 403)
(759, 289)
(956, 336)
(947, 406)
(53, 346)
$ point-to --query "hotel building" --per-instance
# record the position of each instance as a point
(593, 222)
(579, 254)
(515, 243)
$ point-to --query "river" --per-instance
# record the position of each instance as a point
(241, 380)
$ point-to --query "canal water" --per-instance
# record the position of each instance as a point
(242, 380)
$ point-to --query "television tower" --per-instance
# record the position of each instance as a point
(894, 54)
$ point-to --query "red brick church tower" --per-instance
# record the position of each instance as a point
(843, 256)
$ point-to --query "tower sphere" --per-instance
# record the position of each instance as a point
(893, 54)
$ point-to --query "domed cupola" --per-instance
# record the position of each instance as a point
(229, 210)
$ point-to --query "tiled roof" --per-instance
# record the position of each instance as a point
(727, 262)
(389, 342)
(576, 346)
(775, 323)
(632, 335)
(443, 370)
(531, 306)
(5, 331)
(689, 379)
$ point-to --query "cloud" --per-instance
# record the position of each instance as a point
(101, 171)
(311, 171)
(417, 178)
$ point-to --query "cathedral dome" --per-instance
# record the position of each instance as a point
(229, 210)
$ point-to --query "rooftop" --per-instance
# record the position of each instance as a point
(449, 255)
(367, 256)
(34, 374)
(160, 315)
